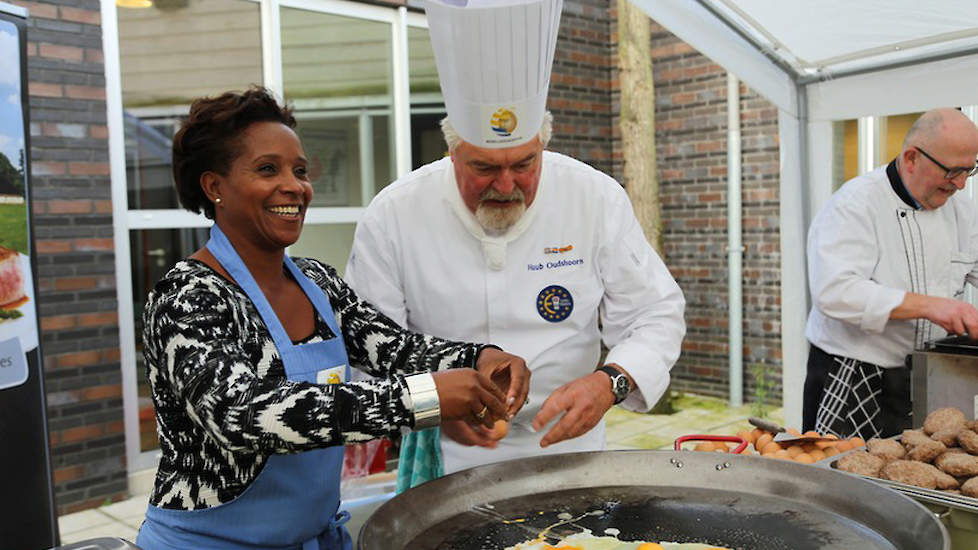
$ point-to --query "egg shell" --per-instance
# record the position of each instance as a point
(500, 429)
(746, 436)
(825, 444)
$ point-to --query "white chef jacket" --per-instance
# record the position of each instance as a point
(421, 257)
(866, 249)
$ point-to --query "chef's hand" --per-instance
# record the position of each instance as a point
(583, 403)
(954, 316)
(509, 373)
(465, 394)
(467, 434)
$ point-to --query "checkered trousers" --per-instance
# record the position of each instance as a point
(850, 403)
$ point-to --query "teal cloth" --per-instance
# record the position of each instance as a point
(420, 459)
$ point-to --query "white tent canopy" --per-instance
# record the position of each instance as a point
(820, 62)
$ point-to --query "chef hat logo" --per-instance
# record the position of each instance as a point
(494, 60)
(503, 122)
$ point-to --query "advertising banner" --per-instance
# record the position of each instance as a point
(27, 511)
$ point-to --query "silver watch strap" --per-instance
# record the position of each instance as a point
(424, 400)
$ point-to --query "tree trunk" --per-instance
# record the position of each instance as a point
(638, 133)
(638, 119)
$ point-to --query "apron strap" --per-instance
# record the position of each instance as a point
(227, 256)
(334, 533)
(315, 294)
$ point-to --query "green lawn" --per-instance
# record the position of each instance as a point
(13, 226)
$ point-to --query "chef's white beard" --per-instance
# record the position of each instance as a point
(497, 220)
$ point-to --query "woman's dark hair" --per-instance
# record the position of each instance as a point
(208, 140)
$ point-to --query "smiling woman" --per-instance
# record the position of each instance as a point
(264, 193)
(248, 353)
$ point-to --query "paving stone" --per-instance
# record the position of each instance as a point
(133, 508)
(648, 441)
(81, 520)
(112, 529)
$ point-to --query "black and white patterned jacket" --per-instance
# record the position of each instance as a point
(223, 403)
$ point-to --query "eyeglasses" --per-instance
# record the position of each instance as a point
(950, 173)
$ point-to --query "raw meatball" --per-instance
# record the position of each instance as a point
(970, 488)
(944, 481)
(912, 473)
(926, 451)
(968, 441)
(861, 463)
(947, 418)
(909, 438)
(958, 464)
(887, 449)
(947, 437)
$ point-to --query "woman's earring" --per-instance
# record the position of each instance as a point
(217, 200)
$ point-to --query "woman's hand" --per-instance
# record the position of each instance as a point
(466, 394)
(466, 434)
(509, 373)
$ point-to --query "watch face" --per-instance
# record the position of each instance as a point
(620, 387)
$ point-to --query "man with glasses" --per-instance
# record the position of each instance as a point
(888, 259)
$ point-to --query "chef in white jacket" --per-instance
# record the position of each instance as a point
(505, 243)
(888, 259)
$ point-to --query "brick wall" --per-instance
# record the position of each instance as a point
(691, 134)
(76, 267)
(581, 83)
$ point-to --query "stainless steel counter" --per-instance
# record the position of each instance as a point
(942, 379)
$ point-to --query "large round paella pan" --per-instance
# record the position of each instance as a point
(726, 500)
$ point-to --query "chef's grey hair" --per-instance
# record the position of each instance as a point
(453, 140)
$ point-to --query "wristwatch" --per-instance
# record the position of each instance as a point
(619, 382)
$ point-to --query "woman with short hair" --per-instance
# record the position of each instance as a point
(248, 353)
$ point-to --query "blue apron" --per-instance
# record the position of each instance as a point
(294, 501)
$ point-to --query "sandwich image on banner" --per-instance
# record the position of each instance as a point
(494, 59)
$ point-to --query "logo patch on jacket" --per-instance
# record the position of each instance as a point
(555, 303)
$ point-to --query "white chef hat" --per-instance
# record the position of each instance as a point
(494, 59)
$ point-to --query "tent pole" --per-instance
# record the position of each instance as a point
(735, 245)
(795, 214)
